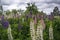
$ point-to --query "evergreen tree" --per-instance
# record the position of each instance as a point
(56, 11)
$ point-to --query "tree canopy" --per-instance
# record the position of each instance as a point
(32, 8)
(56, 11)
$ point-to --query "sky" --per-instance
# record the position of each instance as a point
(46, 6)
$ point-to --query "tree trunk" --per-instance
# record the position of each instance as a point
(9, 33)
(32, 30)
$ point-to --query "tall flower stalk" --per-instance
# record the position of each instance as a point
(32, 30)
(39, 32)
(51, 32)
(10, 37)
(40, 28)
(5, 24)
(51, 28)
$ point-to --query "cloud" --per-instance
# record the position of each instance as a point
(48, 5)
(5, 7)
(43, 5)
(5, 2)
(54, 1)
(9, 2)
(23, 7)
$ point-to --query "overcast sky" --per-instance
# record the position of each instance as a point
(46, 6)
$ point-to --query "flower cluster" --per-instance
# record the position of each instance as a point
(5, 24)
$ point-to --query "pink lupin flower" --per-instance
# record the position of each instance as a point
(42, 22)
(35, 20)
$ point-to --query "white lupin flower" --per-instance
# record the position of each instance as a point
(51, 32)
(9, 33)
(39, 32)
(32, 30)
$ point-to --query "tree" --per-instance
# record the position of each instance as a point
(31, 7)
(8, 12)
(20, 11)
(1, 9)
(32, 10)
(0, 12)
(14, 11)
(56, 11)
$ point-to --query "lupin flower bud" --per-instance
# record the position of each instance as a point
(50, 17)
(2, 18)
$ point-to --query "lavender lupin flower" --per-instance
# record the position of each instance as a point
(35, 19)
(5, 24)
(2, 18)
(50, 17)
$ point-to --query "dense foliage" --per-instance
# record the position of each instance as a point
(20, 31)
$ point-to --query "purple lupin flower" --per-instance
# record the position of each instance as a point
(2, 18)
(40, 16)
(5, 24)
(50, 17)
